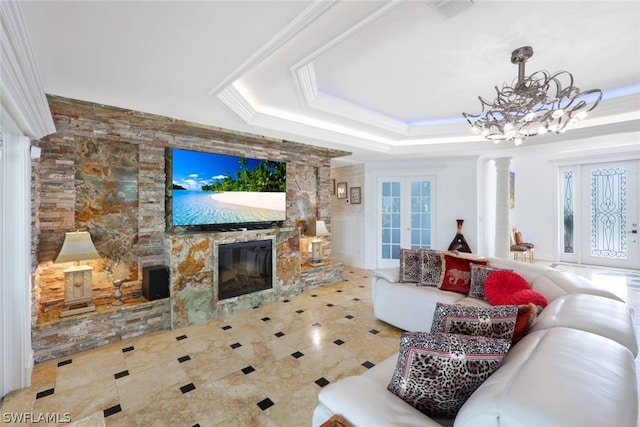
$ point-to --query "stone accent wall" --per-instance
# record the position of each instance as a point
(83, 332)
(92, 139)
(316, 276)
(35, 236)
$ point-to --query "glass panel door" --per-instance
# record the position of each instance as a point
(390, 220)
(609, 231)
(405, 217)
(420, 214)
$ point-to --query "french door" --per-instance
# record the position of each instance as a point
(601, 214)
(405, 216)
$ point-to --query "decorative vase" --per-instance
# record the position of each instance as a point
(459, 243)
(118, 294)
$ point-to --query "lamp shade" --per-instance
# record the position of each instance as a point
(317, 228)
(77, 246)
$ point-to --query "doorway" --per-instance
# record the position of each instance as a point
(600, 214)
(405, 216)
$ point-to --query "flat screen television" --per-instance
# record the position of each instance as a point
(219, 192)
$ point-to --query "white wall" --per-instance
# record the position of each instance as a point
(456, 198)
(347, 219)
(536, 205)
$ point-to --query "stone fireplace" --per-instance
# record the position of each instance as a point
(245, 267)
(196, 262)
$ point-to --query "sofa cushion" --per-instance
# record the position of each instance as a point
(409, 265)
(436, 373)
(491, 322)
(364, 402)
(430, 267)
(558, 377)
(501, 285)
(591, 313)
(407, 306)
(479, 274)
(456, 274)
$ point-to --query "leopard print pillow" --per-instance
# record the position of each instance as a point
(479, 274)
(436, 373)
(409, 265)
(430, 267)
(491, 322)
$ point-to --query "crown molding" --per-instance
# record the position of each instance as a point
(238, 104)
(311, 13)
(23, 97)
(306, 83)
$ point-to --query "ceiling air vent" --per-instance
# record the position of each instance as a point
(448, 8)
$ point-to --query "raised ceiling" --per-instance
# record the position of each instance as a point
(382, 79)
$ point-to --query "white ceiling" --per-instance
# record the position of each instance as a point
(382, 79)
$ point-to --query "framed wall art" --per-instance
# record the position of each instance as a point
(341, 190)
(355, 195)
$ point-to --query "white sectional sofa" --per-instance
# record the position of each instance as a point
(575, 367)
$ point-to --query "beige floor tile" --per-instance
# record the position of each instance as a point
(206, 366)
(293, 410)
(151, 387)
(250, 416)
(224, 398)
(80, 401)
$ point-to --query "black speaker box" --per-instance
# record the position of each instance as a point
(155, 282)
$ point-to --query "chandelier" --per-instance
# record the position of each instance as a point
(533, 105)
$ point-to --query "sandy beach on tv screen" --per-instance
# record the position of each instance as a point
(258, 200)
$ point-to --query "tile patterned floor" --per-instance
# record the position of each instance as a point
(261, 367)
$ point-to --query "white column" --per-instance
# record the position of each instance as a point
(16, 354)
(24, 114)
(503, 240)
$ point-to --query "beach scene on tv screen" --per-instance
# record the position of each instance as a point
(213, 188)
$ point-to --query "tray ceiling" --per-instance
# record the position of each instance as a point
(377, 78)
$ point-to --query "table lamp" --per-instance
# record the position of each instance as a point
(317, 229)
(77, 246)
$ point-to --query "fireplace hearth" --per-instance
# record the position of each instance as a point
(244, 268)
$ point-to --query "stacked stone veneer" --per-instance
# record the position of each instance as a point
(73, 334)
(104, 172)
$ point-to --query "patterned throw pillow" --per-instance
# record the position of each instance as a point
(409, 265)
(430, 267)
(436, 373)
(479, 275)
(456, 274)
(490, 322)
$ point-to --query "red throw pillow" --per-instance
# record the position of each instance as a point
(527, 296)
(501, 285)
(456, 273)
(526, 316)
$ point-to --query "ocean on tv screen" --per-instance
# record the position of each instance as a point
(191, 207)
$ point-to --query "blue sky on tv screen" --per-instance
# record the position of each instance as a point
(193, 169)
